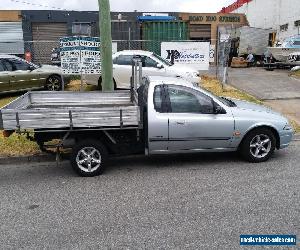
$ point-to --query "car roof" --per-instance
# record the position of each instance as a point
(169, 80)
(134, 52)
(8, 56)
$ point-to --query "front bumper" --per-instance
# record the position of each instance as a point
(286, 136)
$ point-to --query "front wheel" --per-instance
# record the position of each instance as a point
(88, 158)
(258, 146)
(53, 83)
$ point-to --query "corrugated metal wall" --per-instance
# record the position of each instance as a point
(11, 38)
(48, 31)
(163, 32)
(46, 37)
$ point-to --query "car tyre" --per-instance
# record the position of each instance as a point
(88, 158)
(53, 83)
(258, 145)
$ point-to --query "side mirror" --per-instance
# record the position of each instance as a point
(31, 68)
(218, 109)
(160, 66)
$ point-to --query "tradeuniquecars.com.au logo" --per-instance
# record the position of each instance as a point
(184, 56)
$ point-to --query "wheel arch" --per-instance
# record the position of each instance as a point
(271, 128)
(54, 74)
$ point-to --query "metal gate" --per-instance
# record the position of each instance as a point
(44, 33)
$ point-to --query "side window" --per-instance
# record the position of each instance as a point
(123, 60)
(157, 99)
(149, 62)
(18, 64)
(2, 66)
(115, 60)
(8, 65)
(185, 100)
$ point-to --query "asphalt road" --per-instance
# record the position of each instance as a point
(265, 85)
(178, 202)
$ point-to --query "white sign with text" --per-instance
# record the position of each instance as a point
(81, 55)
(193, 54)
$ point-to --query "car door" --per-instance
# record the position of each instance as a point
(193, 125)
(21, 74)
(4, 78)
(122, 69)
(151, 67)
(158, 134)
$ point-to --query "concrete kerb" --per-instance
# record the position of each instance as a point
(27, 159)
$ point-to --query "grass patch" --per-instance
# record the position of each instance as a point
(6, 100)
(213, 85)
(75, 86)
(17, 145)
(296, 73)
(296, 126)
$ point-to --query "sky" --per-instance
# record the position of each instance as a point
(204, 6)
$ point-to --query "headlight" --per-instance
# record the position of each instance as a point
(288, 127)
(192, 74)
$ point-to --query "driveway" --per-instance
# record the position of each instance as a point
(265, 85)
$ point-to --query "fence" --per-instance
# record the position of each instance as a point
(40, 52)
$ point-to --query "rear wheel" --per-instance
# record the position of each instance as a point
(259, 145)
(88, 158)
(53, 83)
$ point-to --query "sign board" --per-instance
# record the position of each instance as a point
(81, 55)
(193, 54)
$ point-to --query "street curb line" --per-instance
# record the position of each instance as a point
(27, 159)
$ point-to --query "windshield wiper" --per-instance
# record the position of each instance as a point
(230, 102)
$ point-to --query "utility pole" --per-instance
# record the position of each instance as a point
(106, 45)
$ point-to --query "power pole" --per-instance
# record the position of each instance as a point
(106, 45)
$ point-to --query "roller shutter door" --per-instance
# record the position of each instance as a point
(200, 31)
(46, 37)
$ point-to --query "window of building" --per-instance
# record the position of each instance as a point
(83, 29)
(284, 27)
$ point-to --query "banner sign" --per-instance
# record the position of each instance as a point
(81, 55)
(193, 54)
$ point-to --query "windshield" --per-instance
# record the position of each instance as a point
(31, 64)
(164, 61)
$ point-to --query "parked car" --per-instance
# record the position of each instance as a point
(16, 74)
(167, 116)
(55, 56)
(152, 64)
